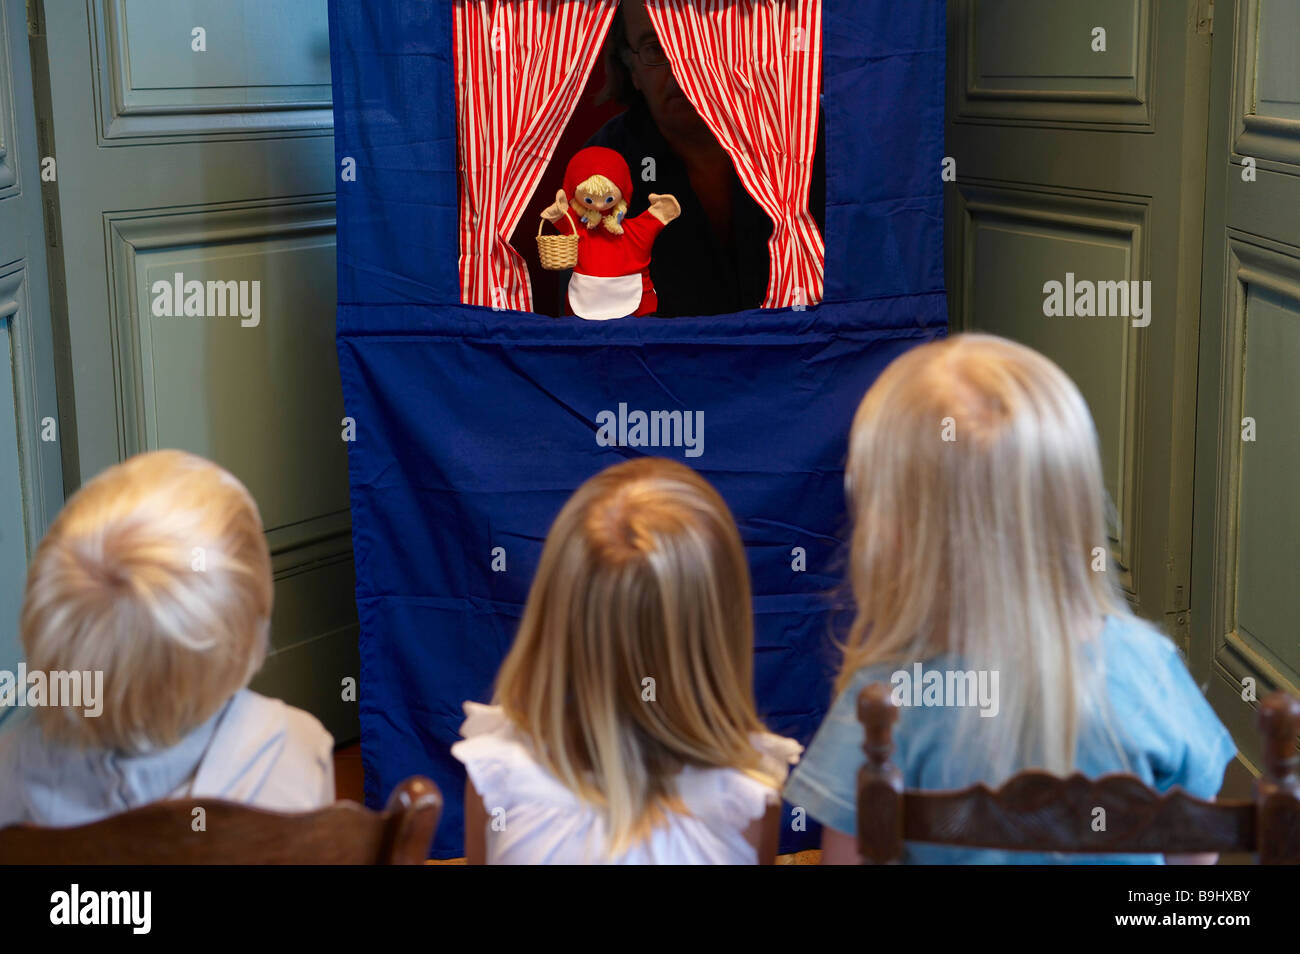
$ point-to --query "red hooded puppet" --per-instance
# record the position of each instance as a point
(612, 277)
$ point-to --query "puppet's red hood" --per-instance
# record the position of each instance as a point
(598, 160)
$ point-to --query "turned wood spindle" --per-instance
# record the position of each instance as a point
(880, 783)
(1278, 829)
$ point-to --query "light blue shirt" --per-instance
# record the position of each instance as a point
(1168, 732)
(253, 750)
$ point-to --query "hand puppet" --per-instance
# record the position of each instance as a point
(612, 276)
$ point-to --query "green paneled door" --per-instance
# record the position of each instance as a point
(1246, 571)
(1170, 155)
(30, 478)
(195, 138)
(1078, 132)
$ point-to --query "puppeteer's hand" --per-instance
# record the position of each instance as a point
(664, 207)
(553, 213)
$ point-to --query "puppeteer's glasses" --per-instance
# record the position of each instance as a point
(650, 54)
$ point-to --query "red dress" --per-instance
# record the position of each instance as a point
(604, 282)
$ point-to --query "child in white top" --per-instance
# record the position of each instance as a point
(623, 728)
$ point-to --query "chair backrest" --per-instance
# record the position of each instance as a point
(1035, 811)
(174, 833)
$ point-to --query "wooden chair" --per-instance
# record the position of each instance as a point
(345, 833)
(1035, 811)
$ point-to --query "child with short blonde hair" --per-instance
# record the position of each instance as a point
(975, 486)
(623, 728)
(157, 575)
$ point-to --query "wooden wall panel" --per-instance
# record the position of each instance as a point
(1247, 520)
(1258, 530)
(15, 541)
(1268, 532)
(1015, 241)
(31, 481)
(265, 70)
(219, 165)
(258, 394)
(1091, 163)
(1023, 61)
(1266, 85)
(8, 117)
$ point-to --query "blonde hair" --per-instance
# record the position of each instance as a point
(156, 573)
(975, 485)
(643, 576)
(595, 185)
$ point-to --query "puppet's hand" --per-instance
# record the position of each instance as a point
(553, 213)
(664, 208)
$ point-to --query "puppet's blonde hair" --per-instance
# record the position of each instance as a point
(975, 486)
(643, 577)
(595, 184)
(156, 573)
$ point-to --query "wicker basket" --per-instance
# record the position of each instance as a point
(558, 252)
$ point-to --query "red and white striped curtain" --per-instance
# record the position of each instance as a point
(752, 69)
(521, 66)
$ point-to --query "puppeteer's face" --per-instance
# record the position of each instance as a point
(602, 202)
(669, 107)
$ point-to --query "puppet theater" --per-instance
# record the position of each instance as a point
(479, 405)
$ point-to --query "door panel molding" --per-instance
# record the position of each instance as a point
(130, 234)
(16, 539)
(133, 111)
(1251, 266)
(1038, 81)
(9, 184)
(40, 486)
(306, 521)
(1273, 141)
(1067, 216)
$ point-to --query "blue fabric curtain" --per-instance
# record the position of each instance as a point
(474, 426)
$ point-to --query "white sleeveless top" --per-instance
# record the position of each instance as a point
(534, 819)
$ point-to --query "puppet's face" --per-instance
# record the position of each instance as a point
(600, 201)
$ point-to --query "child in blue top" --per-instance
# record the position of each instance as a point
(986, 601)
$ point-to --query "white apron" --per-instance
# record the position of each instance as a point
(599, 299)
